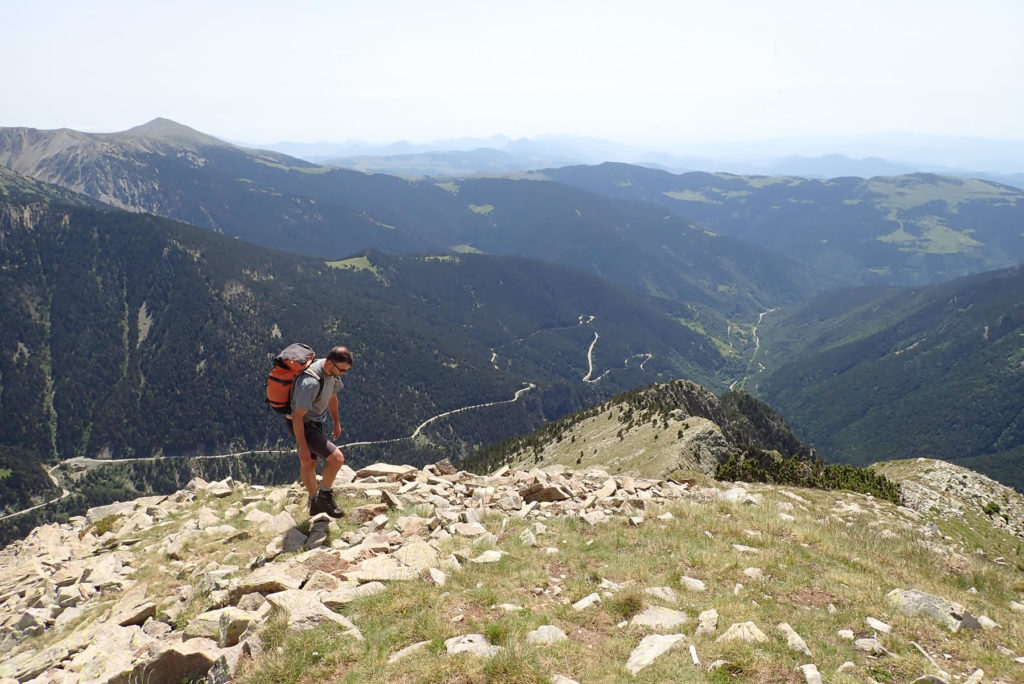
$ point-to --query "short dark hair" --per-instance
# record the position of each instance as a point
(340, 355)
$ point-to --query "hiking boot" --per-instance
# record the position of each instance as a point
(324, 502)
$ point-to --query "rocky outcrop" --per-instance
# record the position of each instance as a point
(951, 490)
(152, 590)
(82, 584)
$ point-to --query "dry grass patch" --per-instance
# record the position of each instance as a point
(818, 559)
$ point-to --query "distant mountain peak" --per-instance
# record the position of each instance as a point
(172, 132)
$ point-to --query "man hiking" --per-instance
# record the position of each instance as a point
(314, 400)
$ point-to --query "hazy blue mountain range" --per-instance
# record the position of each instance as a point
(886, 373)
(491, 161)
(521, 153)
(172, 171)
(887, 154)
(901, 230)
(125, 334)
(448, 163)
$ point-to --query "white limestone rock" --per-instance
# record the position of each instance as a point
(658, 617)
(474, 644)
(793, 640)
(650, 648)
(587, 601)
(546, 635)
(743, 631)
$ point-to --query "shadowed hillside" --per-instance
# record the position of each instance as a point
(884, 374)
(270, 199)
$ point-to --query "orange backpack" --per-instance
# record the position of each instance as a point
(294, 359)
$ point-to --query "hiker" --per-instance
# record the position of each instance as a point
(314, 401)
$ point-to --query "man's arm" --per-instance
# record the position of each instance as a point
(332, 407)
(299, 428)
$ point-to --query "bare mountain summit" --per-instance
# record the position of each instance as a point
(521, 575)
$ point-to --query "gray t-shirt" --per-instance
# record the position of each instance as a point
(306, 394)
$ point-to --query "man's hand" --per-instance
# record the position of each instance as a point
(337, 430)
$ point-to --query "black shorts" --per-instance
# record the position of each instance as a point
(316, 440)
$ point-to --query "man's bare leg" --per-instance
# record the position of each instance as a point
(307, 473)
(331, 467)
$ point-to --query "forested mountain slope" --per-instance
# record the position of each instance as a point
(129, 335)
(880, 374)
(902, 230)
(170, 170)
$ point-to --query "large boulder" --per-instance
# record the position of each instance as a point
(950, 613)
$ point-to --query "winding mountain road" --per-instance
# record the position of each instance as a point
(753, 356)
(584, 319)
(519, 393)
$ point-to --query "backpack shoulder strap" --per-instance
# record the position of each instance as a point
(317, 373)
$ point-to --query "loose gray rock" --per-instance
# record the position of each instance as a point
(418, 555)
(233, 624)
(475, 644)
(872, 646)
(546, 634)
(381, 569)
(491, 556)
(318, 532)
(692, 584)
(387, 471)
(988, 623)
(951, 614)
(407, 651)
(664, 593)
(707, 622)
(877, 625)
(350, 592)
(540, 493)
(811, 674)
(173, 663)
(134, 608)
(306, 611)
(793, 640)
(657, 617)
(650, 648)
(743, 631)
(272, 578)
(587, 601)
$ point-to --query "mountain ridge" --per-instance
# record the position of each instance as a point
(291, 205)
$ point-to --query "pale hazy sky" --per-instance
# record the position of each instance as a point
(638, 71)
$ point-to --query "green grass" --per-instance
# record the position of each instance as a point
(831, 553)
(465, 249)
(935, 237)
(362, 263)
(808, 564)
(691, 196)
(311, 170)
(896, 193)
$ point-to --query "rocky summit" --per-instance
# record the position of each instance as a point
(522, 575)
